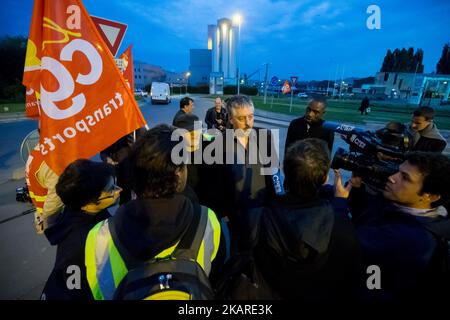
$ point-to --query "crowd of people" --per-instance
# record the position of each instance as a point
(225, 225)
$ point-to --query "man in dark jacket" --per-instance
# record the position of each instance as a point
(86, 188)
(305, 250)
(217, 116)
(310, 125)
(186, 107)
(241, 179)
(402, 232)
(425, 134)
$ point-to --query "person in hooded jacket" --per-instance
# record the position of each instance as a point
(424, 132)
(304, 246)
(87, 189)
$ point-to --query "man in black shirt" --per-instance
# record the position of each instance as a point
(310, 125)
(217, 116)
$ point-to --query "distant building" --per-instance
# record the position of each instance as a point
(211, 30)
(175, 78)
(224, 38)
(145, 74)
(200, 67)
(358, 83)
(323, 87)
(424, 89)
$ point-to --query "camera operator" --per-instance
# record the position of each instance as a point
(402, 231)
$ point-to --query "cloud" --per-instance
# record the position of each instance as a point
(189, 19)
(331, 27)
(314, 12)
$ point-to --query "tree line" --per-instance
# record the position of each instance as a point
(410, 61)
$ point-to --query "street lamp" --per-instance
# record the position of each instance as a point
(238, 19)
(187, 80)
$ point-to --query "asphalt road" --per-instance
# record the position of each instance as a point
(12, 134)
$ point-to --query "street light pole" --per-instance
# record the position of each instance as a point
(238, 19)
(187, 80)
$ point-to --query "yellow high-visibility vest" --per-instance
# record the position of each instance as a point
(105, 267)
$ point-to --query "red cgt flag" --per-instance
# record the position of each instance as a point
(85, 103)
(128, 67)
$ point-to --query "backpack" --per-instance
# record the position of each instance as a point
(242, 280)
(177, 277)
(240, 277)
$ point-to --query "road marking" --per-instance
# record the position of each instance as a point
(14, 120)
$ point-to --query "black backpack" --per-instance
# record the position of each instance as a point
(240, 277)
(177, 277)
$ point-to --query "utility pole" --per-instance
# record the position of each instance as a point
(328, 83)
(414, 79)
(265, 82)
(239, 60)
(335, 78)
(342, 80)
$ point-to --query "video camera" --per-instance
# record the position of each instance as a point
(362, 158)
(22, 194)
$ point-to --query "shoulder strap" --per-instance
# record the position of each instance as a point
(436, 229)
(190, 242)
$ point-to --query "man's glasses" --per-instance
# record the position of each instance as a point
(113, 190)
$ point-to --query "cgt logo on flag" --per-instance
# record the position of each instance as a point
(86, 104)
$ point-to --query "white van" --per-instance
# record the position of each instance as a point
(160, 93)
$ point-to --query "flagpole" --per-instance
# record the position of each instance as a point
(292, 94)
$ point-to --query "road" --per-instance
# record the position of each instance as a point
(12, 134)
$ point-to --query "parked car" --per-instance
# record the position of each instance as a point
(302, 95)
(140, 93)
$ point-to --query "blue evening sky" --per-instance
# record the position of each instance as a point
(307, 38)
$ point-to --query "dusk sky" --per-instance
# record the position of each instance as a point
(309, 39)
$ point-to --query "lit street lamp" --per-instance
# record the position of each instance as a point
(238, 19)
(187, 80)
